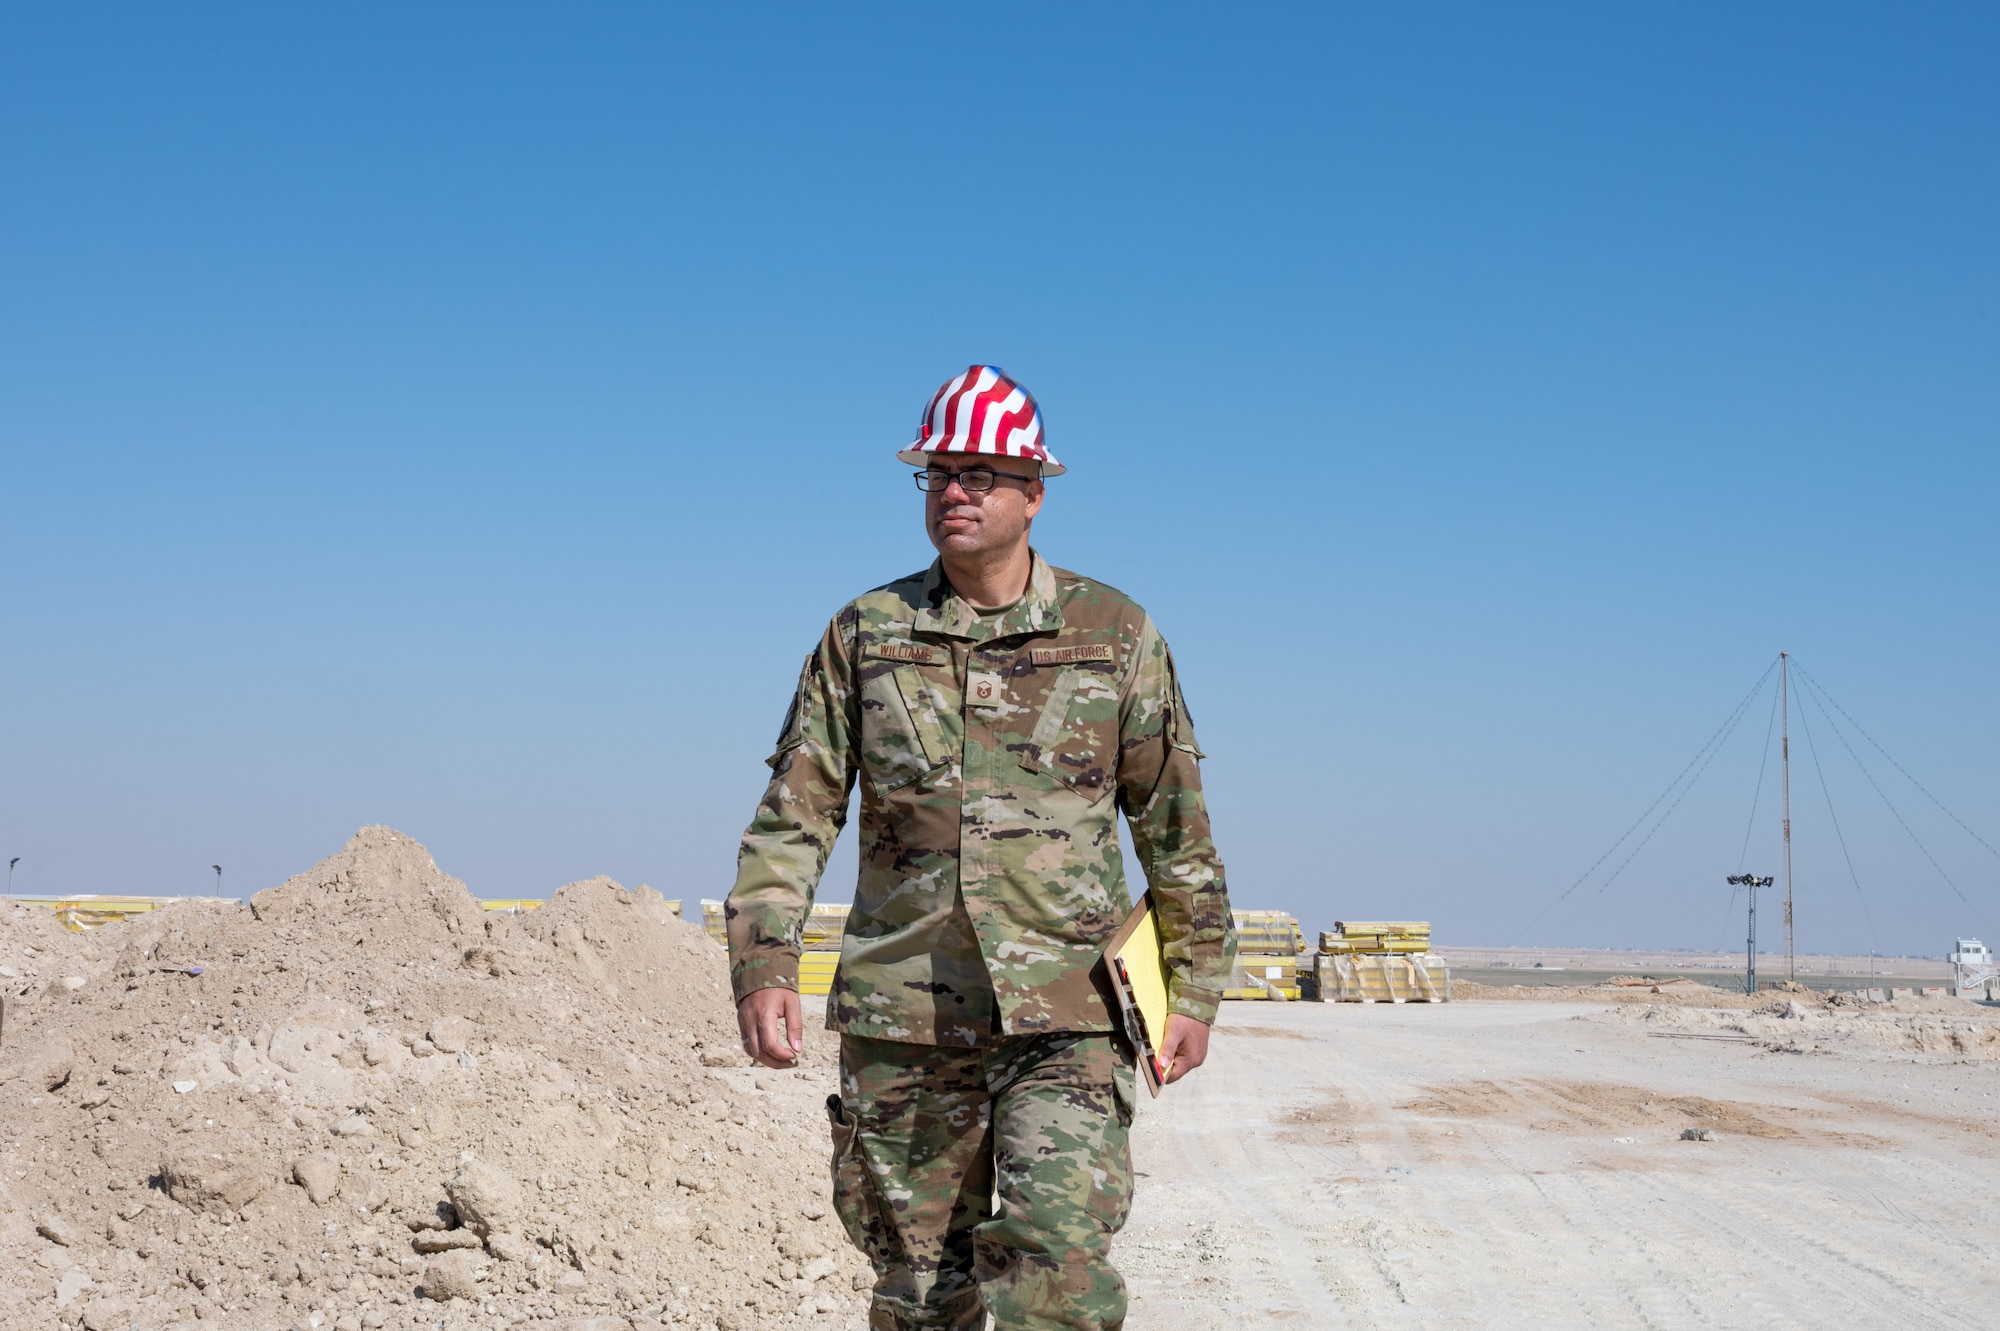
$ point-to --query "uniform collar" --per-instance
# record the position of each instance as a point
(942, 610)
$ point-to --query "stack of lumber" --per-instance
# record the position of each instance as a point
(1381, 977)
(1377, 936)
(87, 911)
(820, 941)
(1268, 944)
(1268, 933)
(1379, 961)
(1265, 976)
(825, 926)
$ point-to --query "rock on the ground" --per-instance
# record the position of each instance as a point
(451, 1035)
(319, 1175)
(488, 1201)
(444, 1240)
(219, 1180)
(58, 1230)
(450, 1276)
(44, 1066)
(69, 1285)
(510, 1247)
(107, 1315)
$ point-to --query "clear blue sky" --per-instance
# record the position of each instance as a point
(465, 417)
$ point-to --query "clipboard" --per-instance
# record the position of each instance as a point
(1139, 979)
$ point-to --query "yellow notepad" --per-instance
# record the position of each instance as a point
(1139, 975)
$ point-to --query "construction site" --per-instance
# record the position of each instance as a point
(367, 1098)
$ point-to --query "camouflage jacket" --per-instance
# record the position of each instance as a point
(993, 757)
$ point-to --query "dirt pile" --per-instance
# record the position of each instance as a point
(1807, 1023)
(362, 1102)
(1624, 990)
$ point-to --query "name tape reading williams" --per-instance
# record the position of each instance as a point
(916, 653)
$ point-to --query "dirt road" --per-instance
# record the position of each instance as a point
(1495, 1165)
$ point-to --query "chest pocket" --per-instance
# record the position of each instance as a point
(910, 722)
(1075, 739)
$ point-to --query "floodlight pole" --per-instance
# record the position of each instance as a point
(218, 878)
(1750, 949)
(1751, 882)
(10, 874)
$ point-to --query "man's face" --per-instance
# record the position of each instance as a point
(974, 522)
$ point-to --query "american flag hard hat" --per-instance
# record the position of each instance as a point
(982, 411)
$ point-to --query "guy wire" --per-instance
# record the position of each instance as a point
(1894, 812)
(1821, 689)
(1729, 728)
(1743, 857)
(1763, 765)
(1839, 835)
(1612, 849)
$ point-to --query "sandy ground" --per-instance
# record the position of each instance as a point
(1494, 1164)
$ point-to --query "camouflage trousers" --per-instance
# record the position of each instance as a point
(926, 1138)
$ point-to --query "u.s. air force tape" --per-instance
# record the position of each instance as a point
(1101, 651)
(915, 653)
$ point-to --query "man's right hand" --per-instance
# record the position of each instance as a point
(773, 1032)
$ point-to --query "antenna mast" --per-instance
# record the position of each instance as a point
(1785, 756)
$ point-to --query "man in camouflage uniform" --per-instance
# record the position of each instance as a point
(997, 713)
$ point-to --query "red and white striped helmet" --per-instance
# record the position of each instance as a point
(982, 411)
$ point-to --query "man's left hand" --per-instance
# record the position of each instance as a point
(1185, 1048)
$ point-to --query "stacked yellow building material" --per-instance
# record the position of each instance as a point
(521, 905)
(508, 905)
(87, 911)
(816, 971)
(1264, 975)
(1268, 944)
(1377, 936)
(820, 941)
(825, 926)
(1268, 933)
(1381, 977)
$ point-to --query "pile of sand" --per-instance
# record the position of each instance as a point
(1623, 990)
(1951, 1030)
(362, 1101)
(1792, 1019)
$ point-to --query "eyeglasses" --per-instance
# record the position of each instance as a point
(972, 479)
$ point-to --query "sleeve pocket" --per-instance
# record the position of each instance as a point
(1180, 726)
(793, 732)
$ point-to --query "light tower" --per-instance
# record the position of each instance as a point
(1751, 882)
